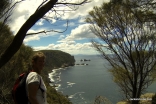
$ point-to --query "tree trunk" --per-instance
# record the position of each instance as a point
(18, 39)
(135, 102)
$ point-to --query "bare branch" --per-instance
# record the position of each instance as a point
(83, 2)
(48, 31)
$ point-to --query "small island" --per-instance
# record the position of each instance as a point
(85, 60)
(81, 64)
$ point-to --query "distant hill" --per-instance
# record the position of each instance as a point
(57, 59)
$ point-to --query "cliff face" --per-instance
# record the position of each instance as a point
(56, 59)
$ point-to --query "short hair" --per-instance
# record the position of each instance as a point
(38, 55)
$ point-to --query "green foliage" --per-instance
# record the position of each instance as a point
(101, 100)
(119, 74)
(3, 6)
(14, 67)
(54, 97)
(5, 37)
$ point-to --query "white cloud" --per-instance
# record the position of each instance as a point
(61, 36)
(22, 12)
(83, 9)
(30, 38)
(17, 23)
(79, 33)
(40, 22)
(73, 49)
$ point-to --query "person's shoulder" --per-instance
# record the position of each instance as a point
(33, 77)
(32, 74)
(35, 73)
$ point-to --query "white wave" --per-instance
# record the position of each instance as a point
(70, 84)
(54, 76)
(71, 96)
(57, 86)
(52, 80)
(60, 68)
(74, 95)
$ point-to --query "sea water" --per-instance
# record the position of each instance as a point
(83, 83)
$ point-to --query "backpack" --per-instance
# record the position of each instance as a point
(19, 93)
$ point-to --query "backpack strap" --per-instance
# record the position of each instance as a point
(41, 89)
(40, 86)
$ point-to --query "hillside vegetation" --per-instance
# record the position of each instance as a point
(19, 63)
(56, 59)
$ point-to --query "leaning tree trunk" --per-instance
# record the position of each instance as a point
(19, 37)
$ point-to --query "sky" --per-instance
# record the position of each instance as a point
(75, 40)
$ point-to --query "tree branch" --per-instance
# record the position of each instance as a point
(83, 2)
(48, 31)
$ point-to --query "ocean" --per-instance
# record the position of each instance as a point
(87, 80)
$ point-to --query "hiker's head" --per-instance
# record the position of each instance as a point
(38, 61)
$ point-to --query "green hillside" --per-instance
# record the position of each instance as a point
(56, 59)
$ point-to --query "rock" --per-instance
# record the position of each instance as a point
(84, 60)
(82, 64)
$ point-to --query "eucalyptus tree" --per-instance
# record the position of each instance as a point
(126, 39)
(46, 6)
(5, 12)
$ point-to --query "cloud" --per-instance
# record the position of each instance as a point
(74, 49)
(40, 22)
(61, 36)
(30, 38)
(22, 12)
(79, 33)
(83, 9)
(17, 23)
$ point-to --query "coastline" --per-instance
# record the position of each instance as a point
(54, 77)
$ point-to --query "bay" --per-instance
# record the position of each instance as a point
(83, 83)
